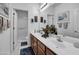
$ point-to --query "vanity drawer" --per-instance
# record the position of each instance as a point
(42, 46)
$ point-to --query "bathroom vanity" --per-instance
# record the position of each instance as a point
(50, 45)
(39, 48)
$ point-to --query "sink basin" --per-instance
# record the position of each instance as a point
(59, 40)
(76, 44)
(58, 44)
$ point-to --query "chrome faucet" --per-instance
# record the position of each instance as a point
(59, 39)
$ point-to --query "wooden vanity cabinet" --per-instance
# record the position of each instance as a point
(34, 44)
(40, 51)
(49, 52)
(39, 48)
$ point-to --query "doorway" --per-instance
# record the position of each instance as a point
(50, 19)
(20, 30)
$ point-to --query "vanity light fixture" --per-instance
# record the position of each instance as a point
(41, 19)
(44, 21)
(36, 18)
(32, 20)
(45, 6)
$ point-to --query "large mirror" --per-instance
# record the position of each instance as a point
(68, 27)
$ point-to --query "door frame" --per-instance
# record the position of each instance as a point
(49, 15)
(13, 28)
(13, 32)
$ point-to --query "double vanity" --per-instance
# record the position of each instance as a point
(53, 46)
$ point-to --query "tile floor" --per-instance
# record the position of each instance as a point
(27, 51)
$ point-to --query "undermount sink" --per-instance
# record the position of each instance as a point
(59, 40)
(59, 43)
(76, 44)
(63, 41)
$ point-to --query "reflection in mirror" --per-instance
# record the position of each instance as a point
(44, 21)
(36, 18)
(65, 25)
(50, 19)
(41, 19)
(70, 26)
(60, 25)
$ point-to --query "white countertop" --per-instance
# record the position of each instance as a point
(60, 48)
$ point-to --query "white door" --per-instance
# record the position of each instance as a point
(20, 29)
(50, 19)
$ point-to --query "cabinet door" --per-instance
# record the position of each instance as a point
(40, 51)
(49, 52)
(32, 41)
(41, 45)
(41, 48)
(34, 44)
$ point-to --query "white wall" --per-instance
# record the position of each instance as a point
(72, 8)
(4, 36)
(5, 42)
(47, 11)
